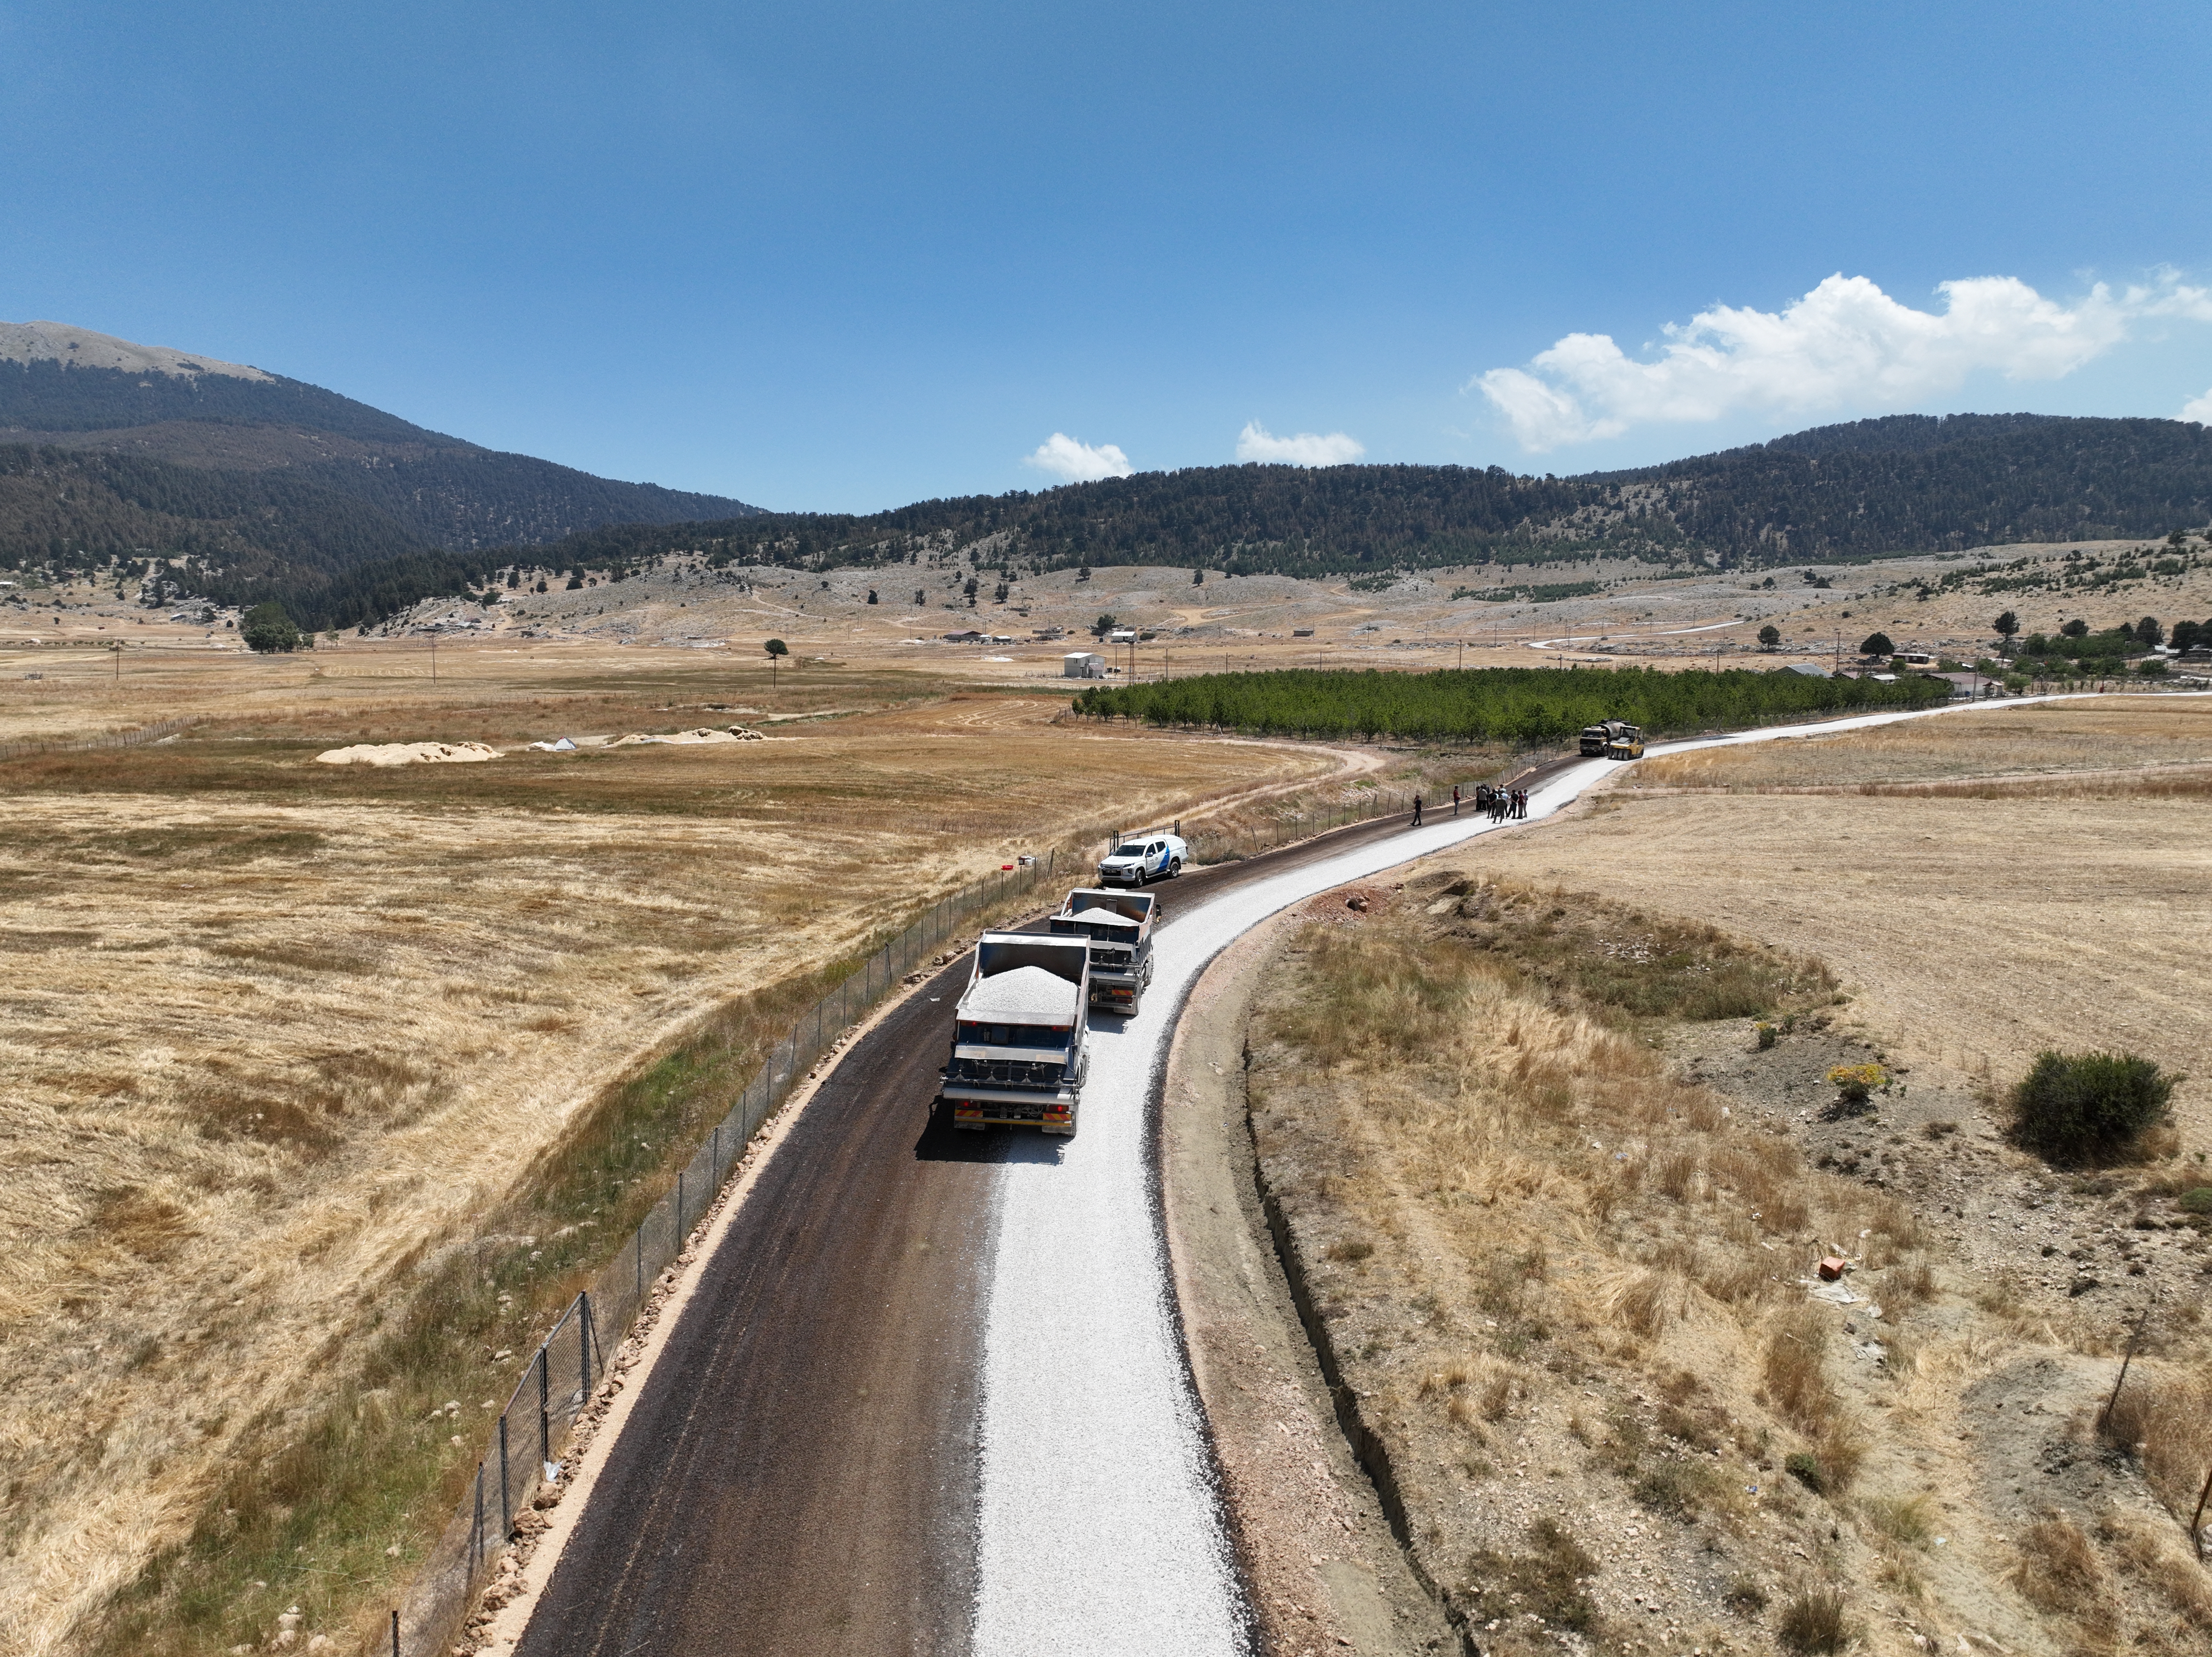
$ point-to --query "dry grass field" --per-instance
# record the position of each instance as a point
(281, 1036)
(1559, 1207)
(2142, 744)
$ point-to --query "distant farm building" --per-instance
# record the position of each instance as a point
(1082, 664)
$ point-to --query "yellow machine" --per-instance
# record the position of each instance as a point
(1613, 740)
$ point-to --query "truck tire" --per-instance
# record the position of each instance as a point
(1175, 867)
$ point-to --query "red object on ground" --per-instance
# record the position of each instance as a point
(1831, 1267)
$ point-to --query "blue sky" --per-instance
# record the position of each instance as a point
(843, 255)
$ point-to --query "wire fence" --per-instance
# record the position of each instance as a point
(556, 1385)
(1226, 841)
(145, 733)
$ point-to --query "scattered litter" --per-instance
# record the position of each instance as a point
(1834, 1293)
(563, 746)
(409, 753)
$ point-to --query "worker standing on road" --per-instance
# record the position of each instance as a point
(1455, 799)
(1417, 811)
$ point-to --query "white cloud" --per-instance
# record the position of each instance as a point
(1255, 442)
(1079, 463)
(1845, 346)
(2198, 409)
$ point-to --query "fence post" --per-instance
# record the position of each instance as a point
(476, 1536)
(714, 1160)
(2197, 1523)
(679, 1210)
(2105, 1414)
(584, 1344)
(544, 1416)
(637, 1253)
(506, 1502)
(395, 1632)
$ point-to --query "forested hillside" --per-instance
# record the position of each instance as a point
(313, 482)
(1906, 484)
(353, 513)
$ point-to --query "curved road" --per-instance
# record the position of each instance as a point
(930, 1395)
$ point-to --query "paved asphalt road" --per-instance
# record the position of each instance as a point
(799, 1474)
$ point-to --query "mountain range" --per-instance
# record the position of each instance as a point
(112, 448)
(255, 486)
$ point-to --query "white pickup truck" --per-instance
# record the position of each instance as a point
(1120, 927)
(1018, 1057)
(1157, 855)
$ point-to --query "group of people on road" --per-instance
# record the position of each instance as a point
(1503, 804)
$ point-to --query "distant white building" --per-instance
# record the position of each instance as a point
(1082, 664)
(1123, 636)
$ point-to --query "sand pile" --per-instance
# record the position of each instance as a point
(409, 753)
(702, 733)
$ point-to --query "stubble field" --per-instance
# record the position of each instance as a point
(281, 1035)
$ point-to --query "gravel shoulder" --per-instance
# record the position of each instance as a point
(1324, 1570)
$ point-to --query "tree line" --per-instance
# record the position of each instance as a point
(1518, 706)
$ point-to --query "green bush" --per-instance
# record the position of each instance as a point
(2198, 1201)
(1805, 1467)
(2082, 1105)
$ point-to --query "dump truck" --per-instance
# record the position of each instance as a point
(1018, 1057)
(1120, 927)
(1615, 739)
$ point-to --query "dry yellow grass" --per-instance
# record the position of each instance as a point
(273, 1028)
(2117, 740)
(1569, 1289)
(1974, 932)
(1470, 1163)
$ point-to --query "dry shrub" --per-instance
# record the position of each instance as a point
(1902, 1519)
(2161, 1559)
(1842, 1448)
(1497, 1399)
(1815, 1623)
(1677, 1176)
(2164, 1416)
(1794, 1373)
(1550, 1580)
(2058, 1569)
(1910, 1284)
(1642, 1304)
(1737, 1278)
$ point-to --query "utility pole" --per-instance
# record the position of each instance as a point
(433, 658)
(118, 648)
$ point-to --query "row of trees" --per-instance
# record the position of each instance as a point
(1521, 707)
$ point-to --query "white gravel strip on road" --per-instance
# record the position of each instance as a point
(1101, 1529)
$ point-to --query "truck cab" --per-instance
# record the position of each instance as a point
(1018, 1057)
(1140, 859)
(1119, 924)
(1613, 739)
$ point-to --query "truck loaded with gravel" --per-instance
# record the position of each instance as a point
(1120, 927)
(1018, 1056)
